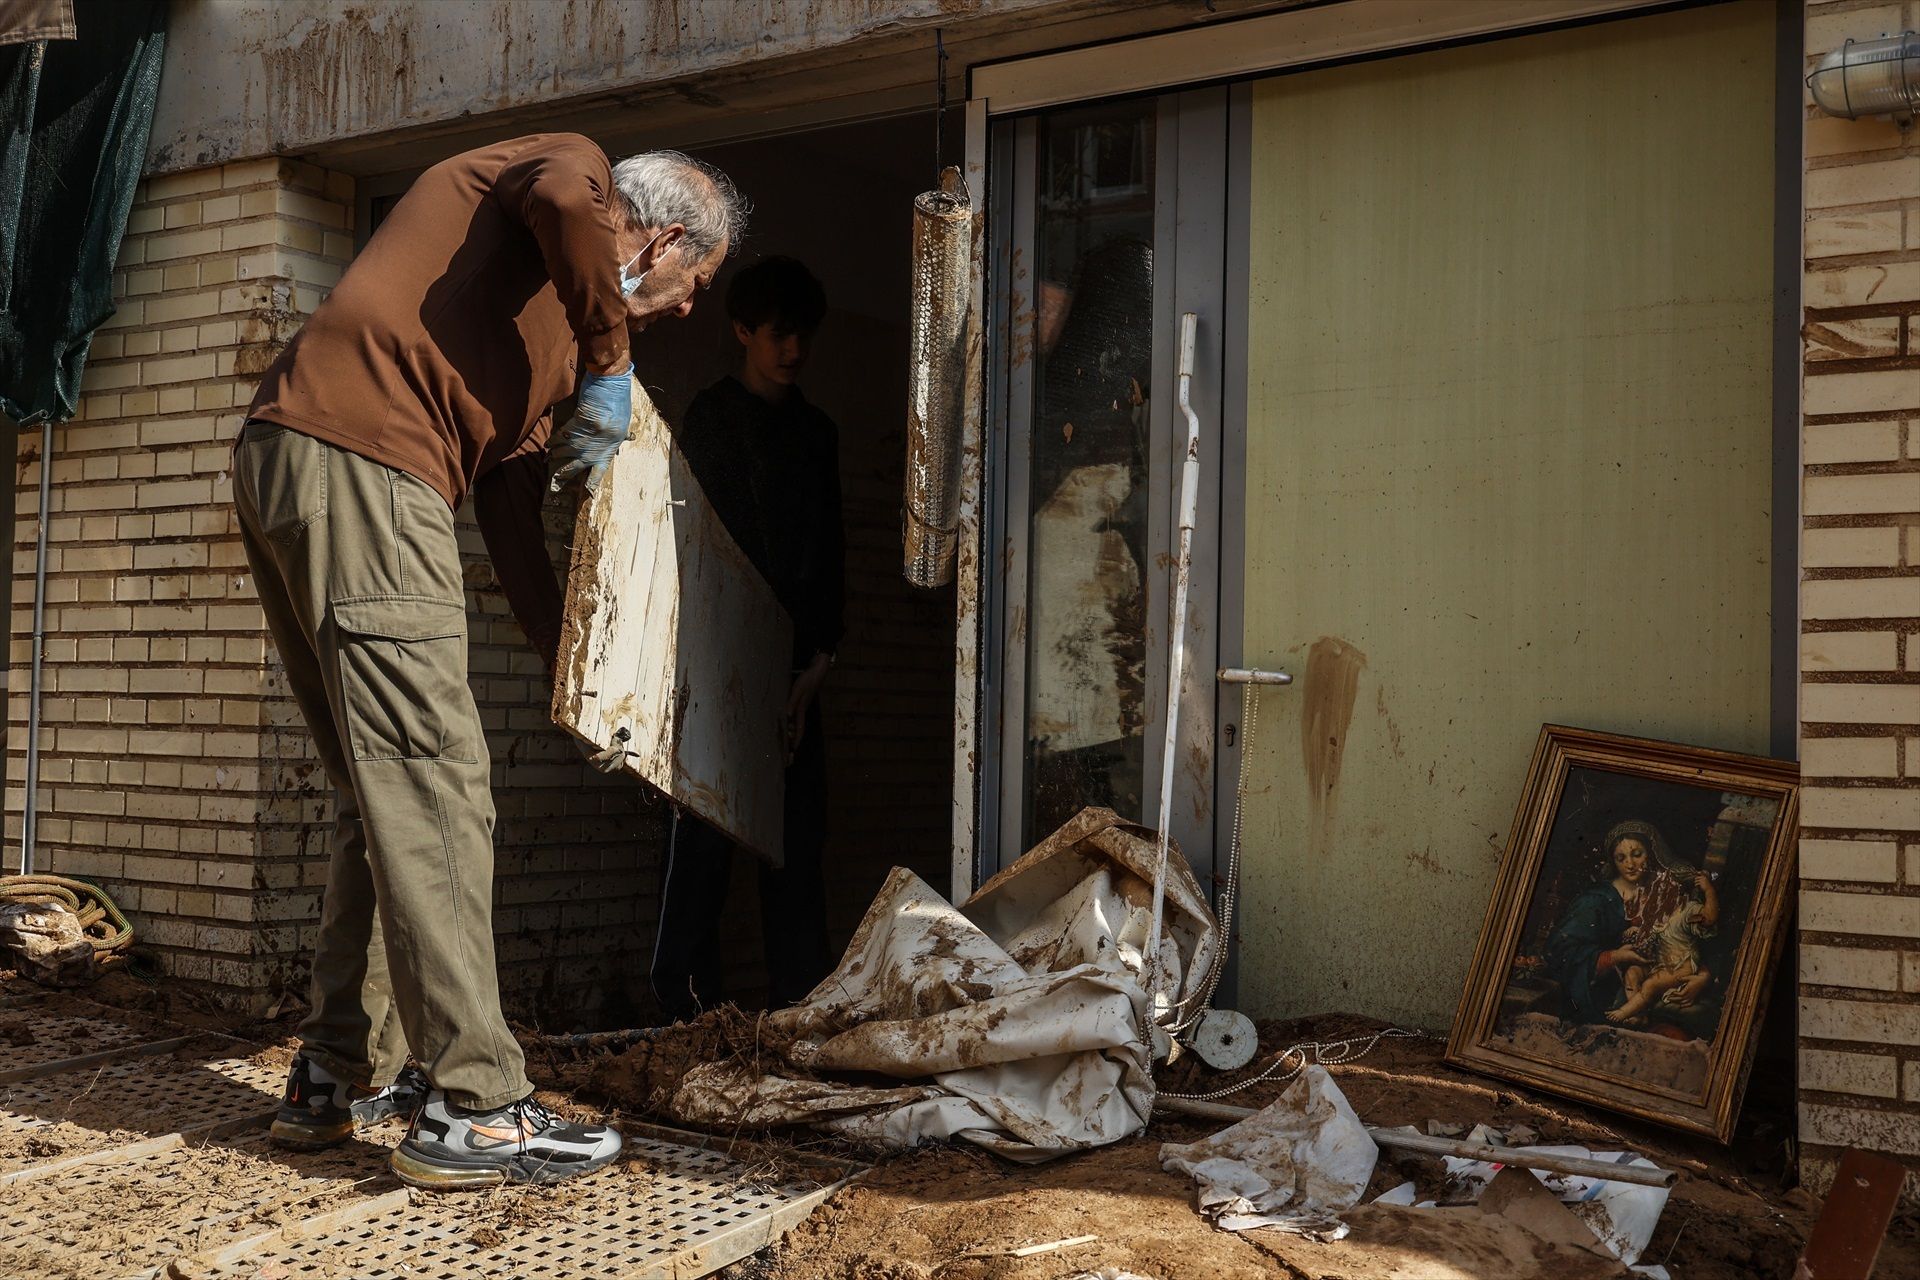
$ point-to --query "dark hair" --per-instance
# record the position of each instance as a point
(780, 290)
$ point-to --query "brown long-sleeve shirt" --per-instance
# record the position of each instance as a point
(454, 332)
(445, 345)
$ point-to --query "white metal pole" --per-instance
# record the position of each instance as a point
(29, 808)
(1177, 644)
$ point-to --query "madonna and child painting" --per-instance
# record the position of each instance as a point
(1625, 956)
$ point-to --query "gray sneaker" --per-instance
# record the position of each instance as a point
(319, 1110)
(450, 1148)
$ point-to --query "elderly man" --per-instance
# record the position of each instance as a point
(505, 276)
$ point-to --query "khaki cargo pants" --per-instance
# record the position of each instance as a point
(359, 575)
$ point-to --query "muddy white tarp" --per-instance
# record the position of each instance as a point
(1295, 1165)
(1017, 1023)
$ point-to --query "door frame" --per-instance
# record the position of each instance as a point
(1190, 229)
(1249, 46)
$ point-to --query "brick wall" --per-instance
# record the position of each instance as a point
(174, 766)
(156, 776)
(1859, 958)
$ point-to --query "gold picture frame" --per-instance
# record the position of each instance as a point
(1687, 855)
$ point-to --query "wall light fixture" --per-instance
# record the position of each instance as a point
(1869, 78)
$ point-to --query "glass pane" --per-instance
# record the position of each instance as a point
(1087, 523)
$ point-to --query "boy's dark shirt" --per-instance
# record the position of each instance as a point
(772, 473)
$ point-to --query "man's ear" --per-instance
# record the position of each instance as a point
(743, 333)
(670, 236)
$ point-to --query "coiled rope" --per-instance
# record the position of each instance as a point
(100, 920)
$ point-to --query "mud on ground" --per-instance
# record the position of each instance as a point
(956, 1213)
(166, 1006)
(641, 1079)
(94, 1221)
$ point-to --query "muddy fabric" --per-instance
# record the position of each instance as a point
(1296, 1164)
(1018, 1023)
(1621, 1216)
(359, 576)
(44, 940)
(77, 116)
(464, 320)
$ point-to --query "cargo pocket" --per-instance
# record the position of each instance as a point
(403, 678)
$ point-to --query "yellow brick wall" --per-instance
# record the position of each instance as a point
(175, 768)
(153, 776)
(1859, 958)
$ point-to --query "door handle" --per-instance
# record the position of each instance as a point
(1252, 675)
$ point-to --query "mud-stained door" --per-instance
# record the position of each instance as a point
(1508, 449)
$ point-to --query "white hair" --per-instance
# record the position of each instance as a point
(660, 188)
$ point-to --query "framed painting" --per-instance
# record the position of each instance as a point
(1635, 920)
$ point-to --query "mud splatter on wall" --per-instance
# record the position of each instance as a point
(1331, 686)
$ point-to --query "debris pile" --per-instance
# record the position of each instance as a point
(1015, 1023)
(1296, 1165)
(914, 1216)
(645, 1077)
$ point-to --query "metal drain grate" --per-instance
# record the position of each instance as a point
(137, 1097)
(669, 1210)
(132, 1214)
(28, 1040)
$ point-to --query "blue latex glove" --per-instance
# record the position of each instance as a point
(596, 430)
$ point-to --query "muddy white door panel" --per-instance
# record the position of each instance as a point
(675, 651)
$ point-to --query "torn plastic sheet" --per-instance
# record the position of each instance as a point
(1296, 1164)
(1016, 1023)
(1621, 1215)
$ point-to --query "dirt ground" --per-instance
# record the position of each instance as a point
(955, 1213)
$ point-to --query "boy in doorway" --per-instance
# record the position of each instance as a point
(769, 463)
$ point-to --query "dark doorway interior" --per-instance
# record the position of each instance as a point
(840, 200)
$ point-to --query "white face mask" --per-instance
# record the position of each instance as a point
(629, 283)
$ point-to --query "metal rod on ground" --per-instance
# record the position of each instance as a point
(29, 809)
(593, 1041)
(1177, 643)
(1638, 1174)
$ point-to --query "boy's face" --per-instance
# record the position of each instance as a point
(773, 352)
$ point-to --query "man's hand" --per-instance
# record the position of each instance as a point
(806, 687)
(598, 427)
(608, 761)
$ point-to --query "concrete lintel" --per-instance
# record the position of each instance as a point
(379, 88)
